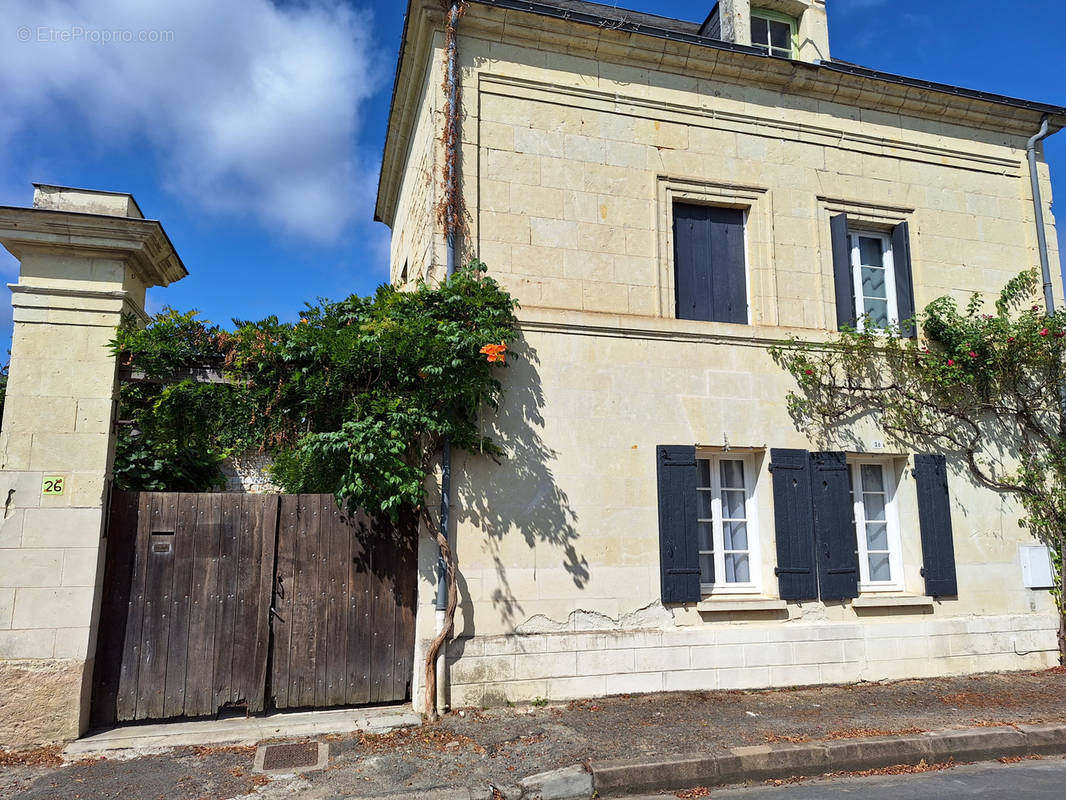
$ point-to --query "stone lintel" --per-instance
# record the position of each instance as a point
(141, 243)
(86, 201)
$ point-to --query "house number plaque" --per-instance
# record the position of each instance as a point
(54, 485)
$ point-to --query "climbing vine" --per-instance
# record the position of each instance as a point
(984, 386)
(354, 398)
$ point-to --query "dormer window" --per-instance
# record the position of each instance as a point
(773, 33)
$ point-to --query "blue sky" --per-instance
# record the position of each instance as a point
(254, 129)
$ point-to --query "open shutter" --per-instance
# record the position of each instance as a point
(901, 262)
(834, 527)
(842, 277)
(794, 524)
(678, 549)
(934, 517)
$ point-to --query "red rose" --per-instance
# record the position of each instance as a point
(973, 354)
(1011, 339)
(808, 372)
(951, 362)
(1045, 332)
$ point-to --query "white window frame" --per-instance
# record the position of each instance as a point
(856, 274)
(766, 15)
(895, 545)
(720, 587)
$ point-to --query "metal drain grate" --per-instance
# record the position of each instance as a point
(303, 755)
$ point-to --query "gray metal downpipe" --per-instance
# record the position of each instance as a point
(446, 455)
(1038, 205)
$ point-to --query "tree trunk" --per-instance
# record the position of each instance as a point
(1060, 600)
(430, 703)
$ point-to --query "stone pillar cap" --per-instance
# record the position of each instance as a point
(46, 229)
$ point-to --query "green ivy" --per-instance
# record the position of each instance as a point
(354, 399)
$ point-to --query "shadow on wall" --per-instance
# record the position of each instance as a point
(518, 494)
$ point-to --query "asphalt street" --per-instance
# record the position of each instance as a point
(1029, 780)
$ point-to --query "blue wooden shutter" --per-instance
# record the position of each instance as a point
(710, 275)
(934, 518)
(678, 548)
(842, 273)
(901, 262)
(794, 524)
(834, 527)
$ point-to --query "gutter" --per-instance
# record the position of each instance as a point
(451, 224)
(1038, 208)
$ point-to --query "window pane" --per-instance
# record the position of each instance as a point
(871, 252)
(878, 312)
(781, 35)
(759, 33)
(880, 570)
(732, 474)
(703, 505)
(877, 536)
(873, 283)
(733, 505)
(706, 569)
(735, 535)
(875, 507)
(736, 569)
(706, 536)
(873, 478)
(705, 473)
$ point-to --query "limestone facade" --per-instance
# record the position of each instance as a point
(576, 142)
(86, 259)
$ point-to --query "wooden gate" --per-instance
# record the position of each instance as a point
(253, 601)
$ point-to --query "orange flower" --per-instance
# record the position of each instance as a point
(495, 352)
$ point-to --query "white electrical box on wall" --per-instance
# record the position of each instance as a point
(1036, 567)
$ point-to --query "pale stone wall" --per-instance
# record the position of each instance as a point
(80, 273)
(247, 473)
(575, 145)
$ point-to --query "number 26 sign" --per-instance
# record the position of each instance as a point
(54, 484)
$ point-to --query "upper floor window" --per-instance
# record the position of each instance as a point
(710, 269)
(872, 275)
(873, 279)
(773, 33)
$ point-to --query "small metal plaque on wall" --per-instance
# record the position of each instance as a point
(54, 485)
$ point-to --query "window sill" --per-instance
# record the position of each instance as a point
(728, 605)
(892, 601)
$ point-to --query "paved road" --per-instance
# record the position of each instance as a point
(1029, 780)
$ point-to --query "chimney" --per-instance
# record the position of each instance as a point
(797, 29)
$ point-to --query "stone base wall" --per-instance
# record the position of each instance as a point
(247, 474)
(492, 670)
(41, 702)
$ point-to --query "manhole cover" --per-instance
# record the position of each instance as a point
(283, 757)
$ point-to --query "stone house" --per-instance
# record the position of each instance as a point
(667, 199)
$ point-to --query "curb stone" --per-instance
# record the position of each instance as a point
(568, 783)
(801, 760)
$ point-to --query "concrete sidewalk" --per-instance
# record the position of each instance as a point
(613, 746)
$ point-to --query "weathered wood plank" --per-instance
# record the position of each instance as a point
(266, 540)
(158, 595)
(148, 510)
(225, 631)
(203, 612)
(284, 591)
(186, 533)
(115, 606)
(382, 619)
(358, 618)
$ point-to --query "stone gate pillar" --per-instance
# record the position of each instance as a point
(86, 259)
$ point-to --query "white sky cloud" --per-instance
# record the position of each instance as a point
(252, 107)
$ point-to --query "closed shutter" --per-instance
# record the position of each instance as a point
(834, 527)
(710, 274)
(934, 517)
(794, 524)
(678, 548)
(901, 262)
(842, 274)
